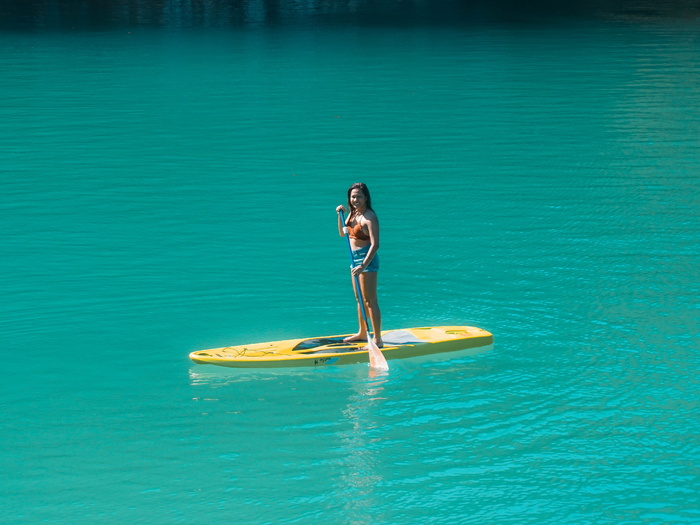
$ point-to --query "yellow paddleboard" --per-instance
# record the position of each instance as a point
(331, 350)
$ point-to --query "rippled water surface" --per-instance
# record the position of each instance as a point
(170, 188)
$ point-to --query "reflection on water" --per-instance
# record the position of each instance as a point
(179, 14)
(360, 453)
(220, 376)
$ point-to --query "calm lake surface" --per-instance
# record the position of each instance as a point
(168, 182)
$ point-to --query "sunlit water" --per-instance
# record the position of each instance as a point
(169, 190)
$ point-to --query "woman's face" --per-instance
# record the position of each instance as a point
(358, 199)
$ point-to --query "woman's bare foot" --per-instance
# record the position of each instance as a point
(378, 341)
(357, 337)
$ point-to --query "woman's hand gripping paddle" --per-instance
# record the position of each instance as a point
(376, 358)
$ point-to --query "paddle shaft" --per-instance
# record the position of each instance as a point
(357, 280)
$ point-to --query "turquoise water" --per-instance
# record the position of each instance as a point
(167, 188)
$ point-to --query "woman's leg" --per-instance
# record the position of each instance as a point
(361, 334)
(368, 284)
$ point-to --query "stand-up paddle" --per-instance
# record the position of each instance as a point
(376, 358)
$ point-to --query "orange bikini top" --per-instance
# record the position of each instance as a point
(356, 232)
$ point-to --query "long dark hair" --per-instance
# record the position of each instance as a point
(364, 189)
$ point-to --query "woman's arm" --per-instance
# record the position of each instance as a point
(340, 221)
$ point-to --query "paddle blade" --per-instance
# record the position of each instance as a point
(376, 358)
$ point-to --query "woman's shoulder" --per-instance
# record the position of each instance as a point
(370, 215)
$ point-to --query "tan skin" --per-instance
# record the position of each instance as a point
(368, 280)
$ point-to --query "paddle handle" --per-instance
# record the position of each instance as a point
(357, 280)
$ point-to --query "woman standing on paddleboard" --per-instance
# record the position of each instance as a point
(363, 230)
